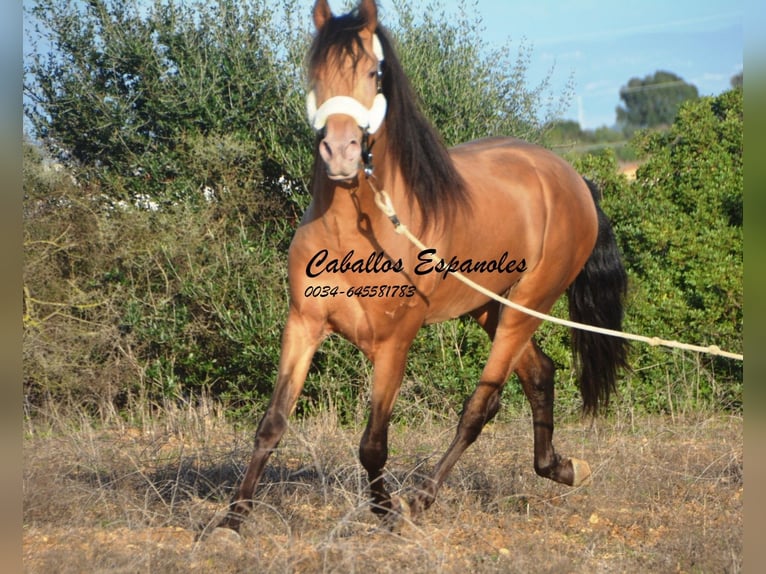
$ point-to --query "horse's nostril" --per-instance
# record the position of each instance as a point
(325, 149)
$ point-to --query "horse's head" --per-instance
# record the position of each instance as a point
(345, 103)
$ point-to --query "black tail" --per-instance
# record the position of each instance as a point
(596, 298)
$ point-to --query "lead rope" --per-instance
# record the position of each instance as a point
(383, 201)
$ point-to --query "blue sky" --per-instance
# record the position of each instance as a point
(604, 43)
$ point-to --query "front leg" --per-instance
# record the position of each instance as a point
(389, 364)
(300, 340)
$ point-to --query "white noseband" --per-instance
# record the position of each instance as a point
(369, 119)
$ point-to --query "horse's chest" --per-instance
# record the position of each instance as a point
(362, 293)
(368, 321)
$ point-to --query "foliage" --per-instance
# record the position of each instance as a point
(129, 302)
(680, 229)
(653, 101)
(129, 94)
(567, 138)
(159, 207)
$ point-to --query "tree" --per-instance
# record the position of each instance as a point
(468, 88)
(564, 133)
(653, 101)
(130, 93)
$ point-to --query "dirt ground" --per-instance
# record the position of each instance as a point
(666, 496)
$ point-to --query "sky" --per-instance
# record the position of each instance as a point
(602, 44)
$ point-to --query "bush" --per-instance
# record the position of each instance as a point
(124, 301)
(155, 252)
(679, 226)
(157, 221)
(130, 93)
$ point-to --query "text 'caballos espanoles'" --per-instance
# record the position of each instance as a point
(378, 262)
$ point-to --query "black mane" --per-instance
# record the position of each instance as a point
(413, 143)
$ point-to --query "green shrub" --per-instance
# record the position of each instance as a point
(129, 92)
(125, 301)
(155, 235)
(679, 226)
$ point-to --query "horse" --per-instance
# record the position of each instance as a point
(510, 214)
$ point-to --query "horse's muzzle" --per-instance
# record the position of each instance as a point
(341, 149)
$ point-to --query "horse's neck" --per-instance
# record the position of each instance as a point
(344, 205)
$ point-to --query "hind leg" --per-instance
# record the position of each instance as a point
(535, 371)
(510, 333)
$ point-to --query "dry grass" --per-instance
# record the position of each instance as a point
(666, 497)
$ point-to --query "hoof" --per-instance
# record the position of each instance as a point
(580, 472)
(399, 514)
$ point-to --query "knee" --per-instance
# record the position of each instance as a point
(475, 414)
(472, 420)
(493, 405)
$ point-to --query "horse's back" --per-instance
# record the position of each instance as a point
(509, 174)
(515, 158)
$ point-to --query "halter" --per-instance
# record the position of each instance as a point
(368, 119)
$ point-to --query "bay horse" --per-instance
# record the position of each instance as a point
(513, 216)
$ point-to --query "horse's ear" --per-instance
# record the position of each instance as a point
(322, 13)
(368, 10)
